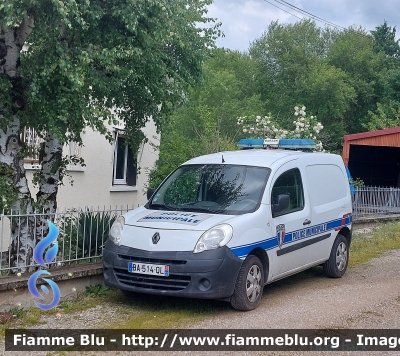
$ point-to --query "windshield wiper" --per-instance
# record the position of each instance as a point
(163, 207)
(187, 207)
(203, 210)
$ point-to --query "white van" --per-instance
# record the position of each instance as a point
(222, 226)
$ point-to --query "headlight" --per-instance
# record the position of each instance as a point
(116, 230)
(217, 236)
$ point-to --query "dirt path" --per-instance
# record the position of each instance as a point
(368, 296)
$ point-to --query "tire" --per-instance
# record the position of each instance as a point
(336, 266)
(249, 285)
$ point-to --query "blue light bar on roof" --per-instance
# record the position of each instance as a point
(251, 143)
(285, 143)
(296, 143)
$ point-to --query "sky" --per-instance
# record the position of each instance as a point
(244, 21)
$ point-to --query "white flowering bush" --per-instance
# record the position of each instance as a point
(267, 127)
(261, 127)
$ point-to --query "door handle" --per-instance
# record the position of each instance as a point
(307, 222)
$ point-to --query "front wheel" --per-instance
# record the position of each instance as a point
(249, 285)
(336, 266)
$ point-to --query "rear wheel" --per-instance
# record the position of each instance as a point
(336, 266)
(249, 285)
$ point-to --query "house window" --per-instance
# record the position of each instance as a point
(32, 140)
(125, 169)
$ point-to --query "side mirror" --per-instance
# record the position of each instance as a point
(283, 203)
(150, 193)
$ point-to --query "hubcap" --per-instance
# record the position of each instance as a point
(341, 256)
(253, 283)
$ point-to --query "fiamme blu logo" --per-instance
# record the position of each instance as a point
(42, 257)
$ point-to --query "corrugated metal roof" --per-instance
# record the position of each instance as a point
(368, 134)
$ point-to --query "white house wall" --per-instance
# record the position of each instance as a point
(92, 184)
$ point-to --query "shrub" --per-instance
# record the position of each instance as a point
(84, 233)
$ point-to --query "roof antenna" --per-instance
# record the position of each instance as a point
(223, 161)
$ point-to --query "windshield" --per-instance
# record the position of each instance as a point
(215, 188)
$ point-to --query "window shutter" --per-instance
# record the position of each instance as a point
(131, 168)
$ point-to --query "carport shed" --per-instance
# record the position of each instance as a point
(374, 157)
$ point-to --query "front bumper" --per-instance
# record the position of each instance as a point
(209, 274)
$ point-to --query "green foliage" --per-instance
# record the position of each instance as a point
(339, 74)
(174, 150)
(18, 312)
(353, 53)
(99, 63)
(387, 113)
(383, 118)
(106, 51)
(7, 193)
(206, 122)
(328, 94)
(385, 40)
(346, 81)
(285, 54)
(385, 237)
(98, 290)
(357, 182)
(84, 233)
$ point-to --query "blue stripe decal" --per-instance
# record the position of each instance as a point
(297, 235)
(246, 249)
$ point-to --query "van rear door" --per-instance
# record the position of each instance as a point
(329, 198)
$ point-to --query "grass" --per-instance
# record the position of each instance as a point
(26, 318)
(142, 311)
(365, 247)
(138, 312)
(152, 312)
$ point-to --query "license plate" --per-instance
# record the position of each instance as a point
(147, 268)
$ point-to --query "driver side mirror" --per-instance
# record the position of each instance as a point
(283, 204)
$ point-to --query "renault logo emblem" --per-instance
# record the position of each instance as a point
(155, 238)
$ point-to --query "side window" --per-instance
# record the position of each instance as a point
(125, 169)
(289, 183)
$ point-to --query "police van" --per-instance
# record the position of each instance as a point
(222, 226)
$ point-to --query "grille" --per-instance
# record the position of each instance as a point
(174, 282)
(152, 260)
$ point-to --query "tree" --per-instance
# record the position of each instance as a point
(382, 119)
(385, 40)
(285, 53)
(387, 111)
(292, 68)
(228, 89)
(67, 65)
(207, 122)
(353, 53)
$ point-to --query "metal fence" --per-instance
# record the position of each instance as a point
(82, 235)
(375, 202)
(83, 232)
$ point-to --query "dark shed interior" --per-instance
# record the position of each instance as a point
(375, 165)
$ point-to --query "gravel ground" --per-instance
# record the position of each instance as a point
(368, 296)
